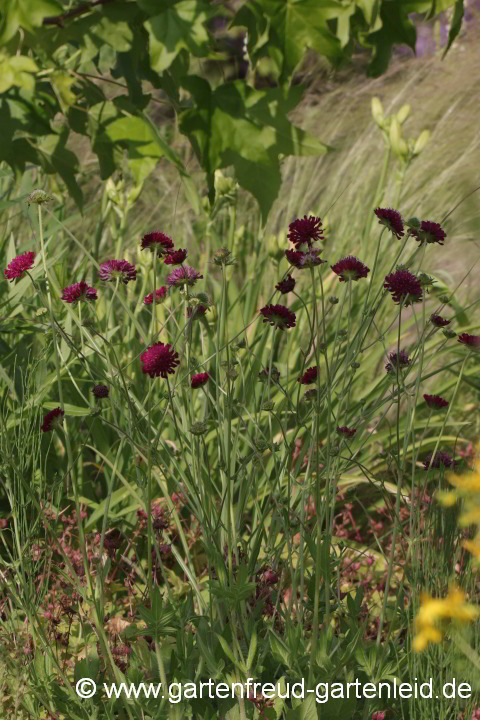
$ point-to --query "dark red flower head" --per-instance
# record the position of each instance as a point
(17, 268)
(279, 316)
(196, 312)
(183, 275)
(157, 241)
(78, 291)
(199, 380)
(160, 294)
(441, 459)
(303, 260)
(429, 232)
(305, 231)
(472, 341)
(346, 432)
(391, 219)
(401, 359)
(350, 269)
(175, 258)
(435, 402)
(121, 269)
(52, 419)
(159, 360)
(438, 321)
(286, 285)
(309, 376)
(403, 285)
(100, 391)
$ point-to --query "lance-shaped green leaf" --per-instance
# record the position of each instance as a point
(237, 125)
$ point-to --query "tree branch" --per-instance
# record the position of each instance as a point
(59, 20)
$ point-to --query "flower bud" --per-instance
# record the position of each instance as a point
(199, 428)
(333, 300)
(413, 222)
(449, 333)
(444, 299)
(377, 112)
(39, 197)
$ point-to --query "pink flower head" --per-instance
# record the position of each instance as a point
(17, 268)
(175, 258)
(199, 380)
(403, 285)
(441, 459)
(350, 269)
(279, 316)
(309, 376)
(183, 275)
(100, 391)
(346, 431)
(435, 402)
(391, 219)
(159, 360)
(157, 241)
(305, 231)
(429, 232)
(121, 269)
(438, 321)
(78, 291)
(472, 341)
(303, 260)
(401, 359)
(159, 296)
(286, 285)
(52, 419)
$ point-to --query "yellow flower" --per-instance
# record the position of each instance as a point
(428, 634)
(472, 546)
(469, 483)
(470, 517)
(447, 498)
(431, 610)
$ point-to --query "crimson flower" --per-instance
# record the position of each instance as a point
(441, 459)
(305, 230)
(346, 432)
(196, 312)
(17, 268)
(78, 291)
(175, 258)
(439, 321)
(435, 401)
(350, 269)
(199, 380)
(159, 296)
(159, 360)
(158, 241)
(302, 260)
(309, 376)
(401, 359)
(472, 341)
(279, 316)
(52, 419)
(429, 232)
(286, 285)
(183, 275)
(403, 285)
(391, 219)
(100, 391)
(121, 269)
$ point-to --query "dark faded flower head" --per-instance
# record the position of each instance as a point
(403, 286)
(303, 260)
(78, 291)
(199, 380)
(391, 219)
(441, 459)
(17, 268)
(309, 376)
(278, 316)
(175, 258)
(346, 431)
(274, 375)
(439, 321)
(429, 232)
(159, 360)
(160, 295)
(286, 285)
(435, 402)
(121, 269)
(197, 312)
(401, 359)
(52, 419)
(157, 241)
(350, 269)
(100, 391)
(304, 231)
(471, 341)
(183, 275)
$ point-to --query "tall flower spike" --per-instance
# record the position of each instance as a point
(157, 242)
(278, 316)
(159, 360)
(403, 286)
(121, 269)
(305, 231)
(17, 268)
(392, 220)
(350, 269)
